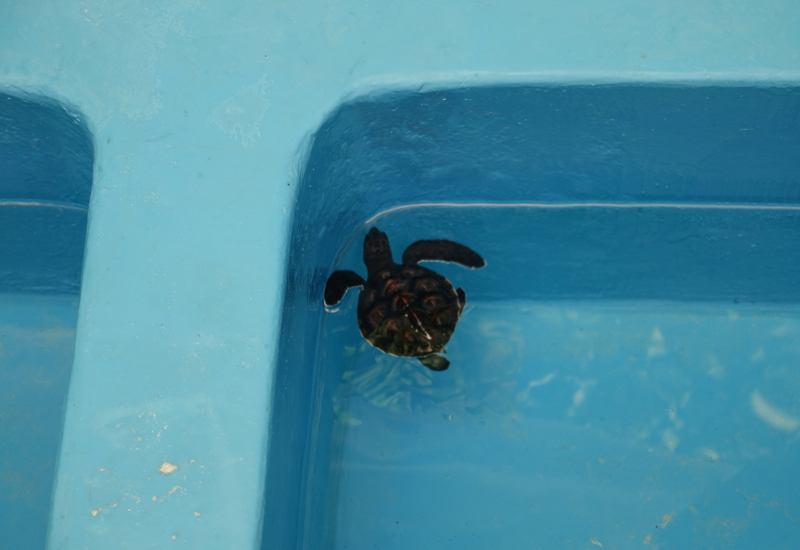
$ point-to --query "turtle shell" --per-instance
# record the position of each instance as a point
(408, 311)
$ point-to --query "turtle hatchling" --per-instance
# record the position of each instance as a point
(406, 310)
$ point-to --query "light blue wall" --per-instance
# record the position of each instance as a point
(202, 113)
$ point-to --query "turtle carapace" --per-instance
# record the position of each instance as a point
(406, 309)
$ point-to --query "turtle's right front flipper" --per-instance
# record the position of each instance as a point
(338, 283)
(442, 250)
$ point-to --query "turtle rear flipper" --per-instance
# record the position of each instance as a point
(435, 362)
(442, 250)
(338, 284)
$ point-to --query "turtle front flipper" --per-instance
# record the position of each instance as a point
(442, 250)
(435, 362)
(338, 283)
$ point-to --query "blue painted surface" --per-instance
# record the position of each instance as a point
(203, 115)
(46, 157)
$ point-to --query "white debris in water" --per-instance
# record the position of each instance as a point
(525, 394)
(772, 416)
(580, 394)
(715, 369)
(782, 330)
(670, 439)
(709, 453)
(657, 346)
(542, 381)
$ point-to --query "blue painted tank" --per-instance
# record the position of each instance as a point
(178, 180)
(621, 360)
(46, 158)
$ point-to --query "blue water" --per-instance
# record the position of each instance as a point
(621, 376)
(37, 340)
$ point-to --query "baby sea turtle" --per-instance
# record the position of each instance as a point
(406, 310)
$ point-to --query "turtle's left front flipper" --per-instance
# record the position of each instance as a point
(338, 283)
(442, 250)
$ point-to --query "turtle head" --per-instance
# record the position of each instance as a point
(377, 252)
